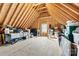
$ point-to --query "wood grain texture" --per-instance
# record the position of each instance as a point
(24, 15)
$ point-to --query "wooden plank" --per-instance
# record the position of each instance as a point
(71, 14)
(20, 14)
(29, 16)
(51, 13)
(36, 8)
(10, 13)
(1, 4)
(24, 19)
(24, 14)
(16, 13)
(59, 12)
(63, 13)
(31, 23)
(31, 20)
(76, 5)
(71, 9)
(4, 11)
(42, 8)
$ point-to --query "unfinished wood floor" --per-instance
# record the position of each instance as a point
(40, 46)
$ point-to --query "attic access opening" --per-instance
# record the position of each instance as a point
(44, 29)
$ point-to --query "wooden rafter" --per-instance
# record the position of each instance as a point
(16, 13)
(10, 13)
(23, 15)
(4, 12)
(20, 14)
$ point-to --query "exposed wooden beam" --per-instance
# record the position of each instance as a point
(24, 19)
(10, 13)
(39, 9)
(35, 18)
(71, 9)
(71, 14)
(76, 4)
(4, 11)
(29, 16)
(1, 4)
(16, 13)
(62, 14)
(51, 13)
(23, 15)
(32, 19)
(43, 11)
(20, 14)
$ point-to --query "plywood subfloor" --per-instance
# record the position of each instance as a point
(37, 46)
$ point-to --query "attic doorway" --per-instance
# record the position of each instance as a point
(44, 29)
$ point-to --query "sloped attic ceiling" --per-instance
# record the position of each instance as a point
(63, 12)
(23, 15)
(17, 14)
